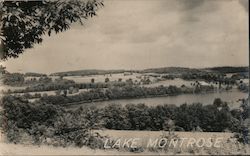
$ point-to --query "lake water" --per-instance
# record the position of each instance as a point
(231, 97)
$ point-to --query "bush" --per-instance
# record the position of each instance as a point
(46, 123)
(117, 92)
(208, 118)
(54, 125)
(13, 79)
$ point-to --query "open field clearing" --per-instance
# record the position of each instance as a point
(228, 146)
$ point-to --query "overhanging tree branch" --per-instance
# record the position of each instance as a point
(23, 23)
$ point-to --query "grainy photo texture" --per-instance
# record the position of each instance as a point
(124, 77)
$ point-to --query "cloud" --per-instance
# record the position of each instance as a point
(144, 34)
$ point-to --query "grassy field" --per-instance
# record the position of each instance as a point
(228, 145)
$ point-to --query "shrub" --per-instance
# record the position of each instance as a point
(46, 123)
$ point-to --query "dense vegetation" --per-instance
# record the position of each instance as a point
(50, 124)
(18, 79)
(13, 79)
(172, 70)
(46, 84)
(87, 72)
(210, 77)
(125, 92)
(209, 118)
(215, 74)
(34, 74)
(230, 69)
(43, 123)
(24, 23)
(42, 82)
(181, 70)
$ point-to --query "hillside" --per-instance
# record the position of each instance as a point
(172, 70)
(86, 72)
(229, 69)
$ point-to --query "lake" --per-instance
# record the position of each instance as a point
(231, 97)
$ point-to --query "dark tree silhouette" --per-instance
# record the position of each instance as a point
(23, 23)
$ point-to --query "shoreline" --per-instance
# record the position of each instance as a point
(136, 98)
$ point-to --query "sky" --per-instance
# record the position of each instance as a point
(139, 34)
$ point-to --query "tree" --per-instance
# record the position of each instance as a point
(245, 120)
(115, 117)
(64, 93)
(13, 79)
(25, 22)
(2, 69)
(58, 92)
(217, 102)
(106, 80)
(169, 125)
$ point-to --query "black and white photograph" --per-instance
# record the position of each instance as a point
(124, 77)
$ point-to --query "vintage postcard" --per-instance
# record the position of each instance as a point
(124, 77)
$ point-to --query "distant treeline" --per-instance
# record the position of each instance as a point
(58, 86)
(172, 70)
(87, 72)
(34, 74)
(169, 70)
(216, 74)
(230, 69)
(18, 79)
(126, 92)
(212, 77)
(65, 84)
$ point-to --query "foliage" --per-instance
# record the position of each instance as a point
(54, 125)
(209, 77)
(228, 69)
(32, 96)
(49, 124)
(25, 22)
(243, 87)
(246, 109)
(87, 72)
(46, 84)
(113, 92)
(13, 79)
(18, 79)
(115, 117)
(35, 74)
(172, 70)
(106, 80)
(208, 118)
